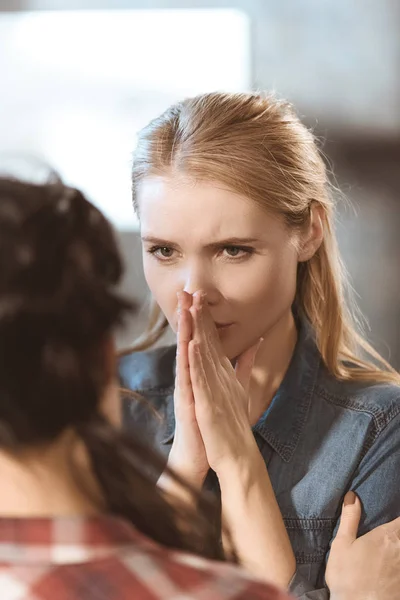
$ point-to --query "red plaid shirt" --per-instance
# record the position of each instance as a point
(104, 558)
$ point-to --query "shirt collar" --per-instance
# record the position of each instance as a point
(63, 540)
(282, 423)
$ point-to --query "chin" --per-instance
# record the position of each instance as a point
(232, 349)
(234, 346)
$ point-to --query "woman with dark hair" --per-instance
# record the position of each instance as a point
(72, 484)
(80, 514)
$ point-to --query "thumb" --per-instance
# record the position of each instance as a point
(350, 518)
(244, 365)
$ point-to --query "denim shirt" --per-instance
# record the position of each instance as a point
(320, 437)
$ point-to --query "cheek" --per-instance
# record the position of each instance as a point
(261, 296)
(163, 288)
(268, 285)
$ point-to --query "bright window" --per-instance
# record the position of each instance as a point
(77, 85)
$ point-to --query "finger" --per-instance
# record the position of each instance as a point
(208, 330)
(183, 339)
(198, 376)
(184, 320)
(199, 336)
(195, 307)
(350, 518)
(185, 300)
(244, 365)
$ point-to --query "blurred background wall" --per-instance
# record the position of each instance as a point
(78, 79)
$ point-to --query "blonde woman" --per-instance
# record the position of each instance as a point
(279, 404)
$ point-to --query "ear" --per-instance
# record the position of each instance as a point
(312, 237)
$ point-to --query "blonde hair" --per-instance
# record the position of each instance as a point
(256, 145)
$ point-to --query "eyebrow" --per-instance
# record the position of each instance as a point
(232, 241)
(155, 240)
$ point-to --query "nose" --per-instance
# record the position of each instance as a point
(200, 277)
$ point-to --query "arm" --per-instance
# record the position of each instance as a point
(254, 520)
(258, 531)
(222, 412)
(249, 504)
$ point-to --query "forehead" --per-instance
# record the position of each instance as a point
(177, 207)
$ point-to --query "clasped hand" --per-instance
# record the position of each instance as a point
(211, 397)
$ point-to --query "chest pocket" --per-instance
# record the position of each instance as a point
(309, 510)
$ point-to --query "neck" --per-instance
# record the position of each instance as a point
(43, 482)
(271, 364)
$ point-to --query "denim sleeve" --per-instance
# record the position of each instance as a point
(377, 483)
(377, 479)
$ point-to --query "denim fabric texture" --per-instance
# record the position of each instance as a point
(320, 437)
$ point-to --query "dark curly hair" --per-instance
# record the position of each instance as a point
(59, 271)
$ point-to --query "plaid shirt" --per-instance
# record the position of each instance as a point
(104, 558)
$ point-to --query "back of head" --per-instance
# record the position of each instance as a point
(59, 266)
(255, 145)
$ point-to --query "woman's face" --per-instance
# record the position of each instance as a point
(200, 236)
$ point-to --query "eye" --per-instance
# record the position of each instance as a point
(233, 250)
(165, 252)
(237, 251)
(162, 252)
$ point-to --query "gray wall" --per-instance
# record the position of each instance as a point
(339, 62)
(369, 235)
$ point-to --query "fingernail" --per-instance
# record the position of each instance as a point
(350, 498)
(199, 297)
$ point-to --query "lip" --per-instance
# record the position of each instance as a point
(223, 325)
